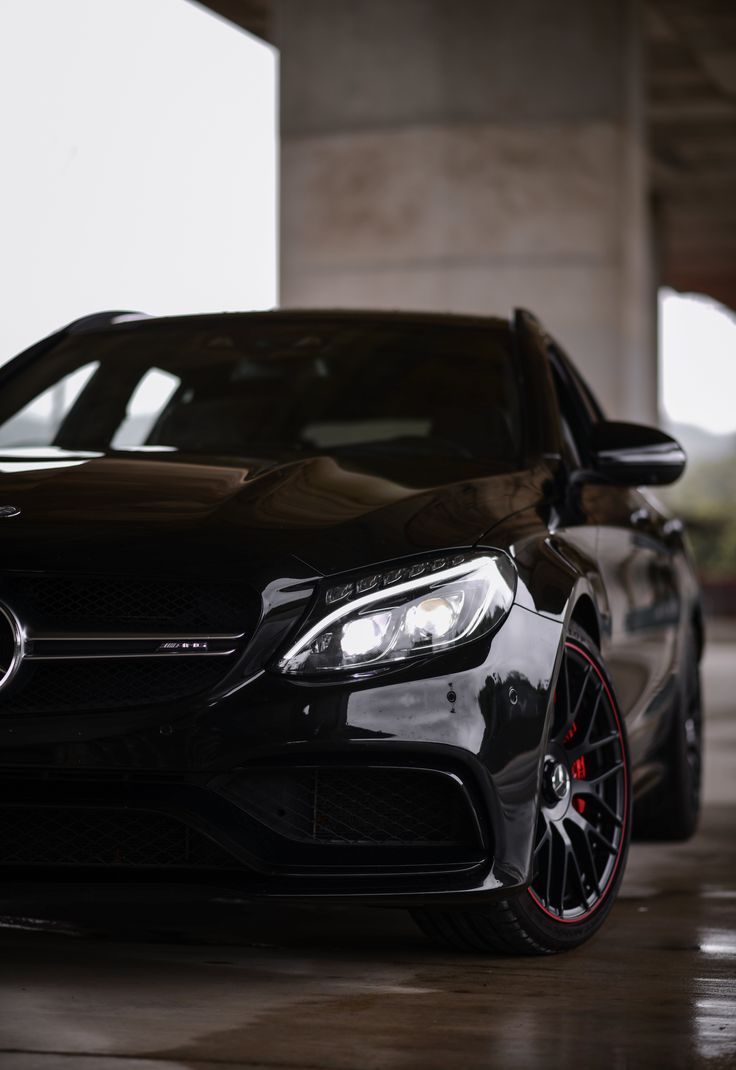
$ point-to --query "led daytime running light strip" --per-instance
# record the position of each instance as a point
(388, 579)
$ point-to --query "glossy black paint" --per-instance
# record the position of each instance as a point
(605, 555)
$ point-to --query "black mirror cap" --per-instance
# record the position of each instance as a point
(632, 455)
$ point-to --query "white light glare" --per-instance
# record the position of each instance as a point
(362, 636)
(432, 616)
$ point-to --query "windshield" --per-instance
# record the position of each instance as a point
(247, 386)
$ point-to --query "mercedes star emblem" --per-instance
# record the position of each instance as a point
(11, 645)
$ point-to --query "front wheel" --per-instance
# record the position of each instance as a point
(583, 826)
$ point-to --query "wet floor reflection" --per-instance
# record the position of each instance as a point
(193, 984)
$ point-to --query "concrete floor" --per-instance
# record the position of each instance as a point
(157, 986)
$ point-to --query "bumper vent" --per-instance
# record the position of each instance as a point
(357, 805)
(79, 836)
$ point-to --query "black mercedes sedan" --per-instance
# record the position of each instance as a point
(347, 605)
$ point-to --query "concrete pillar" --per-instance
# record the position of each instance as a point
(469, 157)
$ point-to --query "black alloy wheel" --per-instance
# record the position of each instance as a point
(583, 826)
(581, 829)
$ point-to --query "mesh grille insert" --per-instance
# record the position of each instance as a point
(130, 604)
(355, 805)
(78, 836)
(59, 686)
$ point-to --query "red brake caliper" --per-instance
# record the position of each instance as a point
(577, 769)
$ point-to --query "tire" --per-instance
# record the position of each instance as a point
(578, 860)
(671, 810)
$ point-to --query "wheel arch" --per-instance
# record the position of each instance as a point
(585, 615)
(558, 580)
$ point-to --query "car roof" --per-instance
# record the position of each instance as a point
(117, 320)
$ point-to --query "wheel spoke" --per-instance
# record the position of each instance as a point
(548, 884)
(578, 873)
(599, 778)
(567, 690)
(585, 747)
(594, 713)
(563, 881)
(593, 871)
(582, 789)
(581, 696)
(611, 848)
(543, 839)
(572, 712)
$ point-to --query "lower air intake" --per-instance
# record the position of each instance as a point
(81, 836)
(357, 805)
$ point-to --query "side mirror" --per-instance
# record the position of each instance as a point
(633, 456)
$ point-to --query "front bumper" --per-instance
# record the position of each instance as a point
(222, 791)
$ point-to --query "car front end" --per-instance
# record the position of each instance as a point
(143, 739)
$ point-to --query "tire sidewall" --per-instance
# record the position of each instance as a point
(688, 805)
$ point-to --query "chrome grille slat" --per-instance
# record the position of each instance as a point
(110, 645)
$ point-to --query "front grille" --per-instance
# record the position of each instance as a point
(78, 836)
(128, 604)
(356, 805)
(58, 686)
(94, 605)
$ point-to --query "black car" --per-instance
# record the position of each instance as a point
(355, 605)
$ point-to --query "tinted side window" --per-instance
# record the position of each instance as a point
(573, 431)
(595, 412)
(578, 403)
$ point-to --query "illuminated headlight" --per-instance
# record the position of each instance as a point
(406, 612)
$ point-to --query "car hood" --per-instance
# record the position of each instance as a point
(154, 512)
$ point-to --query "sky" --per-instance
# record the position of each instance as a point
(697, 360)
(136, 175)
(143, 175)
